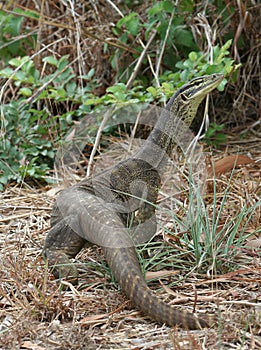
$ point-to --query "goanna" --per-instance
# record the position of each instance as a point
(100, 210)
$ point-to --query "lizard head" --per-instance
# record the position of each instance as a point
(186, 100)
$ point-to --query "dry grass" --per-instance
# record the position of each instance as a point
(35, 314)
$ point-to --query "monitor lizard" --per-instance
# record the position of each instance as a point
(101, 209)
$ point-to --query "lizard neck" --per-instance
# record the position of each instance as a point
(173, 124)
(171, 130)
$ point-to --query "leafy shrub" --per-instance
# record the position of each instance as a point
(50, 99)
(27, 149)
(12, 43)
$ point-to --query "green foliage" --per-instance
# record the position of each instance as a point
(48, 100)
(31, 134)
(12, 43)
(214, 136)
(131, 22)
(158, 17)
(196, 64)
(209, 242)
(27, 149)
(23, 152)
(214, 242)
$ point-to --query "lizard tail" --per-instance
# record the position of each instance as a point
(124, 263)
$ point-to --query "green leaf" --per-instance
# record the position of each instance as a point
(51, 60)
(152, 90)
(157, 8)
(167, 88)
(210, 132)
(226, 45)
(71, 88)
(133, 26)
(63, 62)
(58, 93)
(90, 73)
(28, 67)
(120, 87)
(126, 19)
(193, 56)
(189, 64)
(15, 62)
(220, 138)
(185, 38)
(30, 171)
(25, 92)
(186, 5)
(221, 86)
(168, 6)
(6, 72)
(180, 65)
(210, 69)
(14, 25)
(20, 77)
(93, 101)
(184, 75)
(3, 180)
(131, 21)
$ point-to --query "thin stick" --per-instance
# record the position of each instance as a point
(163, 48)
(140, 41)
(97, 140)
(134, 130)
(138, 64)
(115, 8)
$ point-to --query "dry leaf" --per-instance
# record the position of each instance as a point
(230, 162)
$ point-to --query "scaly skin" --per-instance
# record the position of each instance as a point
(115, 211)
